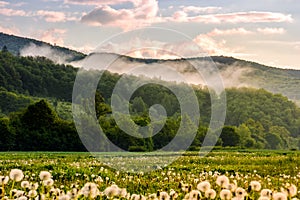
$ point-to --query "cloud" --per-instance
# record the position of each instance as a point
(95, 2)
(12, 12)
(270, 31)
(146, 12)
(234, 31)
(197, 10)
(52, 16)
(143, 13)
(9, 30)
(237, 17)
(3, 3)
(53, 36)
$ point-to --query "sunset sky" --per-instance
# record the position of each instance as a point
(264, 31)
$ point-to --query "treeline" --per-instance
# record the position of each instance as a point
(255, 118)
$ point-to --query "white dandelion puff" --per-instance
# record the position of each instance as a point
(225, 194)
(203, 186)
(240, 193)
(44, 175)
(222, 181)
(266, 193)
(16, 175)
(32, 193)
(255, 186)
(4, 180)
(279, 196)
(292, 190)
(210, 194)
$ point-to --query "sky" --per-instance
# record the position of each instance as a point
(266, 31)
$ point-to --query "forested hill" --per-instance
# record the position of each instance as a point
(15, 44)
(255, 118)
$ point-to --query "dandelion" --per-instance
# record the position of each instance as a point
(163, 196)
(210, 194)
(225, 194)
(112, 191)
(48, 182)
(64, 197)
(4, 180)
(222, 181)
(240, 193)
(255, 186)
(193, 195)
(292, 190)
(25, 184)
(33, 186)
(32, 193)
(279, 196)
(173, 194)
(16, 175)
(137, 197)
(263, 198)
(90, 190)
(44, 175)
(203, 186)
(232, 187)
(266, 193)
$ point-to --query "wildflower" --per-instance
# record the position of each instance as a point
(266, 193)
(225, 194)
(64, 197)
(16, 175)
(32, 193)
(90, 190)
(292, 190)
(232, 187)
(263, 198)
(22, 198)
(33, 186)
(112, 191)
(184, 187)
(193, 195)
(222, 181)
(25, 184)
(210, 194)
(240, 193)
(44, 175)
(173, 194)
(255, 185)
(279, 196)
(203, 186)
(163, 196)
(48, 182)
(137, 197)
(4, 180)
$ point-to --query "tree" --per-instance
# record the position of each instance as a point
(229, 136)
(7, 136)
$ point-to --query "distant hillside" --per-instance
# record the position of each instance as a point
(234, 72)
(255, 116)
(15, 44)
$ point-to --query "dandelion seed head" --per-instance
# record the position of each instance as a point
(203, 186)
(210, 194)
(222, 181)
(279, 196)
(225, 194)
(16, 175)
(4, 180)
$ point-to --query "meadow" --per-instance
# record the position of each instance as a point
(219, 175)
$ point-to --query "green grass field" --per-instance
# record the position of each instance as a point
(274, 170)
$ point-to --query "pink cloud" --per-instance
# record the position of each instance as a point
(53, 36)
(142, 14)
(196, 10)
(242, 17)
(9, 30)
(12, 12)
(95, 2)
(234, 31)
(52, 16)
(3, 3)
(270, 31)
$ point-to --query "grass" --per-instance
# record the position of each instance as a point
(274, 169)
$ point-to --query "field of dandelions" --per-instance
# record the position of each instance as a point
(220, 175)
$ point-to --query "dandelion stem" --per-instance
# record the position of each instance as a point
(12, 187)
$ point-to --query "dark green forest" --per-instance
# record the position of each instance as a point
(36, 98)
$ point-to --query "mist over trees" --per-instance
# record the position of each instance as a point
(36, 99)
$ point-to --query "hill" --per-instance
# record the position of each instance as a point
(234, 72)
(20, 45)
(255, 118)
